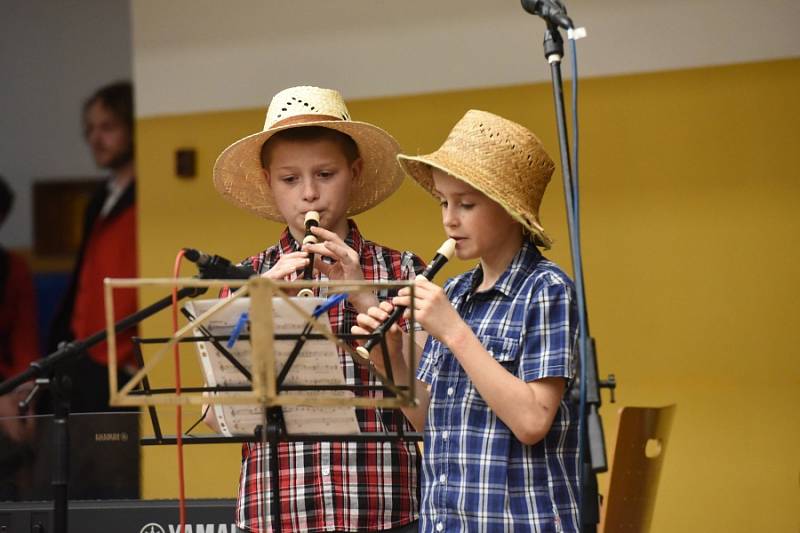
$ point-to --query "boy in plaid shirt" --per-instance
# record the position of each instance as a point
(312, 157)
(501, 441)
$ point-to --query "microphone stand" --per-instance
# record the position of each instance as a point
(48, 371)
(585, 389)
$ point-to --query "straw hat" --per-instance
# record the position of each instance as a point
(238, 175)
(500, 158)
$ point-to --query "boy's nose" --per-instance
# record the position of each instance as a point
(310, 191)
(449, 218)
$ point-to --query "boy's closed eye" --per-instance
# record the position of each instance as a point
(463, 205)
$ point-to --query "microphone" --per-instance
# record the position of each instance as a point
(311, 221)
(553, 11)
(216, 267)
(443, 254)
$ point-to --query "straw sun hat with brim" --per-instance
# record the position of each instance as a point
(500, 158)
(238, 175)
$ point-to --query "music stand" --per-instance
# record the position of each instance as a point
(266, 387)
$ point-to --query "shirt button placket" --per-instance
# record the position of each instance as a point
(327, 487)
(446, 457)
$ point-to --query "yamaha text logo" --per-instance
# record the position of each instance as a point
(152, 527)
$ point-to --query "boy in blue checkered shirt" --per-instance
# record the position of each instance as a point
(501, 441)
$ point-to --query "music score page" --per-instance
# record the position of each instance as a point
(317, 364)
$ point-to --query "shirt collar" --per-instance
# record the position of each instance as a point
(521, 265)
(354, 239)
(116, 191)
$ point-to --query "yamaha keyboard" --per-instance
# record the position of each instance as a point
(120, 516)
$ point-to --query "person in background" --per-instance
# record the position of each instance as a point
(19, 346)
(19, 343)
(108, 249)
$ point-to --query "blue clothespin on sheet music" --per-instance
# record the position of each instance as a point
(321, 308)
(237, 329)
(327, 304)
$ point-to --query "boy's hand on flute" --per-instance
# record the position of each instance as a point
(346, 264)
(288, 264)
(366, 324)
(432, 309)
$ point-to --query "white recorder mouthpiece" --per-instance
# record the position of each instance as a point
(447, 248)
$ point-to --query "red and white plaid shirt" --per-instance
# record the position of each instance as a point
(337, 486)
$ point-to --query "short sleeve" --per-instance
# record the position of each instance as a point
(550, 336)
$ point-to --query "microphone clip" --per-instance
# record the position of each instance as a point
(215, 266)
(552, 11)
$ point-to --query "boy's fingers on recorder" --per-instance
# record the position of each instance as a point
(421, 282)
(367, 322)
(292, 258)
(373, 318)
(370, 320)
(286, 265)
(382, 313)
(402, 300)
(278, 273)
(358, 330)
(420, 290)
(378, 313)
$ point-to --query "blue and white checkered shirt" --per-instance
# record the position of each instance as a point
(477, 476)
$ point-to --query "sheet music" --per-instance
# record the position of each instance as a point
(317, 364)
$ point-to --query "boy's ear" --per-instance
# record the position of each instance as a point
(356, 167)
(266, 177)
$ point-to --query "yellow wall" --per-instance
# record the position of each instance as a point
(689, 189)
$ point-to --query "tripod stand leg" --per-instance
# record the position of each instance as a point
(60, 474)
(274, 419)
(590, 506)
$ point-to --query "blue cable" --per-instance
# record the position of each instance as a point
(578, 273)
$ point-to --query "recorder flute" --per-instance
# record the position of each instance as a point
(443, 254)
(311, 220)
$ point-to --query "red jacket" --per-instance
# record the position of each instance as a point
(19, 344)
(110, 252)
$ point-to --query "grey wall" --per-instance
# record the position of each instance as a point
(53, 54)
(205, 55)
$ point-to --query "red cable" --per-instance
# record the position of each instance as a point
(178, 410)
